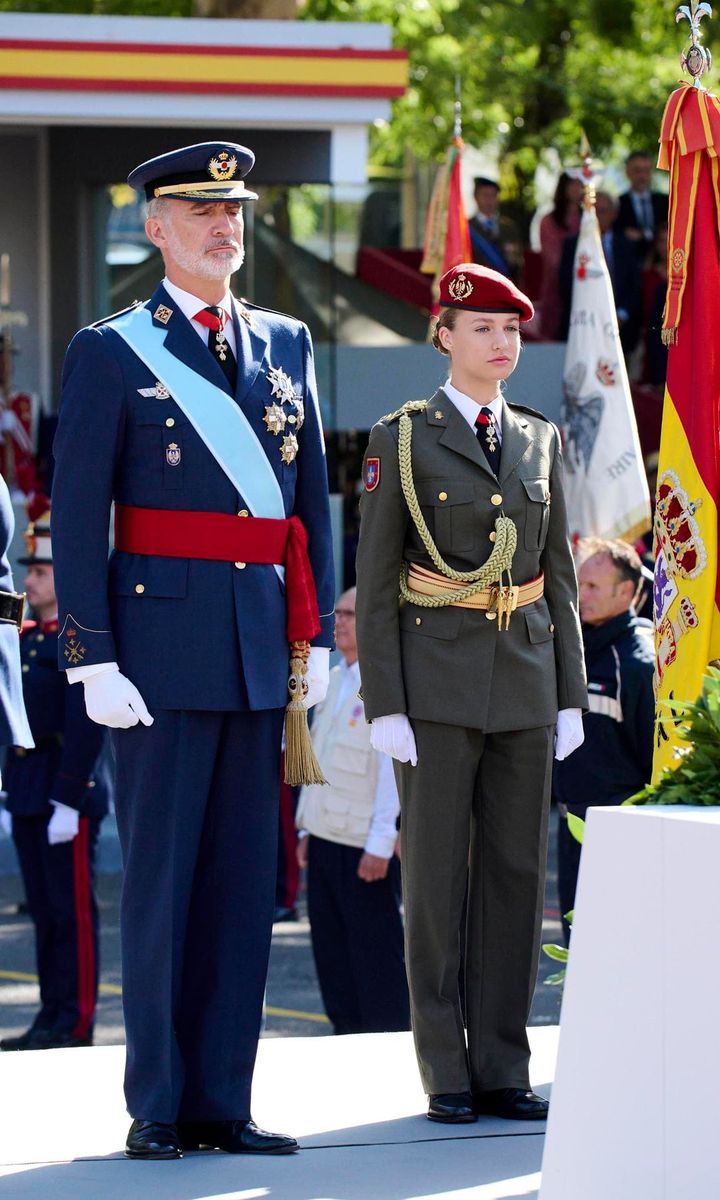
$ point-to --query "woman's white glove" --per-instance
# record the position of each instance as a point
(393, 735)
(63, 824)
(569, 732)
(318, 675)
(112, 700)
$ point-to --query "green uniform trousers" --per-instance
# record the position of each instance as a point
(479, 800)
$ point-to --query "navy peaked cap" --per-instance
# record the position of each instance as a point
(207, 172)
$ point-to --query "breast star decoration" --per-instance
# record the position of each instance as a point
(284, 391)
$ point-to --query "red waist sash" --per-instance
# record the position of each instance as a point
(224, 538)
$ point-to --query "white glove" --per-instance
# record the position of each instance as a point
(569, 732)
(111, 699)
(393, 735)
(6, 822)
(63, 824)
(318, 675)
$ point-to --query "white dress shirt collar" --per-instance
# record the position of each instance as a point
(470, 408)
(189, 305)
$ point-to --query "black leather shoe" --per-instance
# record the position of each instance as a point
(47, 1040)
(153, 1139)
(453, 1108)
(284, 914)
(235, 1137)
(514, 1104)
(31, 1039)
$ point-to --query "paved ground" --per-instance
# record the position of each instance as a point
(294, 1007)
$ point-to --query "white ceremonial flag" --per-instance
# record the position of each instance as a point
(606, 489)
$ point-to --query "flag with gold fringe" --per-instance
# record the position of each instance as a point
(686, 587)
(447, 237)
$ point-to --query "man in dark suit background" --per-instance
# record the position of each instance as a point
(198, 416)
(624, 269)
(494, 238)
(641, 210)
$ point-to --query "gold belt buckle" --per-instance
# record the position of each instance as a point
(504, 601)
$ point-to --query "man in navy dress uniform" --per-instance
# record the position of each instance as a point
(198, 417)
(57, 795)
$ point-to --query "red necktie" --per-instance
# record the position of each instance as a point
(214, 318)
(486, 431)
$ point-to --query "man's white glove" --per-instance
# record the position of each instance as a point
(318, 675)
(393, 735)
(6, 822)
(569, 732)
(112, 700)
(63, 824)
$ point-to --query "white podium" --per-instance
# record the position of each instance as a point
(635, 1111)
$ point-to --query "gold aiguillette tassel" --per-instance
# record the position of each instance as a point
(301, 764)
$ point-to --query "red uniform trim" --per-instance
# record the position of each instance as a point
(221, 537)
(86, 969)
(53, 84)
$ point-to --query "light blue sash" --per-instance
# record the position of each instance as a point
(214, 415)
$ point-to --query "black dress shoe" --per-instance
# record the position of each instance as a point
(49, 1040)
(514, 1104)
(153, 1139)
(284, 914)
(453, 1108)
(235, 1137)
(31, 1039)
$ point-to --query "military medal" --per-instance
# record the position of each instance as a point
(282, 385)
(289, 448)
(173, 455)
(221, 346)
(275, 418)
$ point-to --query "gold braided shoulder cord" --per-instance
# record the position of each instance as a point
(491, 572)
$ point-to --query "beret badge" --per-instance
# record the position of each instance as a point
(223, 166)
(460, 288)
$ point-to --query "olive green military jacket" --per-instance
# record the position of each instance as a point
(453, 665)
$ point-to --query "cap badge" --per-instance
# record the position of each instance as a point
(223, 167)
(461, 288)
(173, 455)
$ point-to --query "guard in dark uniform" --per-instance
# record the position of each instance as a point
(472, 666)
(57, 795)
(197, 415)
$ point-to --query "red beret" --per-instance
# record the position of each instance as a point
(481, 290)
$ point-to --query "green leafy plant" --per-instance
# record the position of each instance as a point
(696, 777)
(576, 825)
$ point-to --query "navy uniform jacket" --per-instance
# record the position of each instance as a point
(14, 729)
(615, 760)
(190, 634)
(70, 763)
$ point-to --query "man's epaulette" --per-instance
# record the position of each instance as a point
(534, 412)
(412, 406)
(113, 316)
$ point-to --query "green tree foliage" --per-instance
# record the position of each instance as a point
(534, 74)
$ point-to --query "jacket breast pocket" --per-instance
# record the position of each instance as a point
(141, 576)
(537, 512)
(161, 435)
(449, 510)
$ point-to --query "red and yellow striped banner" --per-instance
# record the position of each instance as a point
(250, 70)
(687, 588)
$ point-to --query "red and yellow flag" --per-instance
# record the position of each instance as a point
(447, 237)
(687, 588)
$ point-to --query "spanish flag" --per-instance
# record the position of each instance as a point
(687, 587)
(447, 237)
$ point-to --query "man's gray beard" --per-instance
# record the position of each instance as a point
(205, 266)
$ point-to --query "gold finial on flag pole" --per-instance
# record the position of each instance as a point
(696, 60)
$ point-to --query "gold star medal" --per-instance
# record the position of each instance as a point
(274, 418)
(289, 448)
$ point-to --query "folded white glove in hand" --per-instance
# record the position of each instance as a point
(393, 735)
(569, 732)
(6, 822)
(63, 824)
(318, 675)
(112, 700)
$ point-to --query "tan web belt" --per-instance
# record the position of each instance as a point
(489, 599)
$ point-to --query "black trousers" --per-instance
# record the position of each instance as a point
(60, 889)
(197, 813)
(357, 940)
